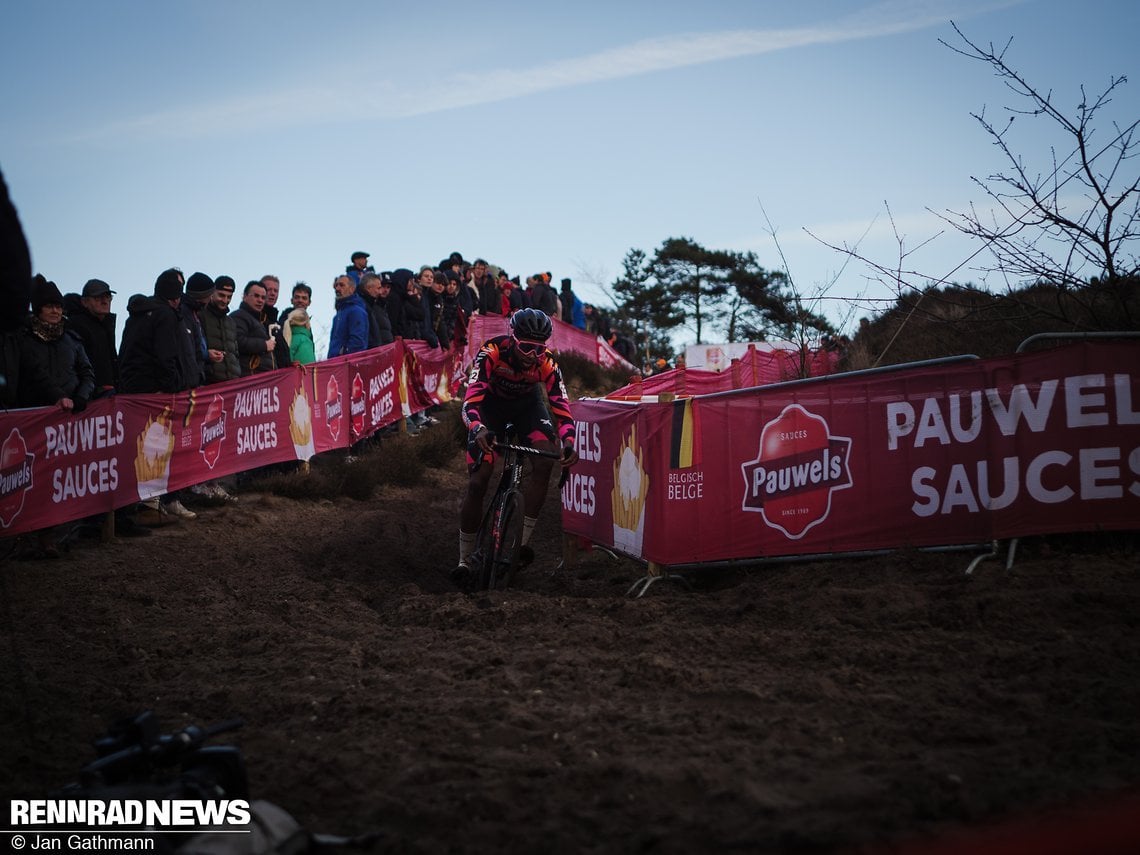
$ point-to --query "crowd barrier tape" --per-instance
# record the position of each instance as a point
(959, 453)
(56, 467)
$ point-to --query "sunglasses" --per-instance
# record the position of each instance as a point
(530, 348)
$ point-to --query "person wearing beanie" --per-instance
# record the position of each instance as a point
(159, 354)
(168, 285)
(156, 354)
(220, 332)
(199, 290)
(54, 368)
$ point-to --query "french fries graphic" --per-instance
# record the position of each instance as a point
(628, 496)
(301, 425)
(155, 446)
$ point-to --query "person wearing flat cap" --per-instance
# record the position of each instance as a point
(89, 316)
(359, 267)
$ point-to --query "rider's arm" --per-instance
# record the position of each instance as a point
(559, 403)
(478, 384)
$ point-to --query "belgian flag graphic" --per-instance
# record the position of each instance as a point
(685, 444)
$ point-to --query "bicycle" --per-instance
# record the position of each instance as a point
(497, 554)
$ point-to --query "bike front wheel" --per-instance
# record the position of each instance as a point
(499, 542)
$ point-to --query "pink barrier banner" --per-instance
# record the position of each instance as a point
(952, 454)
(566, 338)
(438, 373)
(377, 388)
(756, 368)
(56, 467)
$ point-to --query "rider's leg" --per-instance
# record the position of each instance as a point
(534, 493)
(471, 509)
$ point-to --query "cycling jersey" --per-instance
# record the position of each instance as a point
(495, 375)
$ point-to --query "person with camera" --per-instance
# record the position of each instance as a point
(273, 321)
(506, 386)
(255, 341)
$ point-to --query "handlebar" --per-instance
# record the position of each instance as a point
(526, 449)
(163, 750)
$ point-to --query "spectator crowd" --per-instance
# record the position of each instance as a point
(187, 333)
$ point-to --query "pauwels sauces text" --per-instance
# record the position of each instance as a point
(1075, 403)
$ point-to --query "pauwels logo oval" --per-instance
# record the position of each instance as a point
(213, 431)
(15, 476)
(333, 407)
(799, 466)
(356, 406)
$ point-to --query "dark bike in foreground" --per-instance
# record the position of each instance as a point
(498, 551)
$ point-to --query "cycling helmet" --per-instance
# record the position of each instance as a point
(531, 324)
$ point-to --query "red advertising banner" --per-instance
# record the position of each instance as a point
(755, 368)
(56, 467)
(438, 373)
(377, 389)
(959, 453)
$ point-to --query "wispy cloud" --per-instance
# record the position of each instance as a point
(384, 99)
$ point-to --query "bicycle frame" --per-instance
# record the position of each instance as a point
(496, 554)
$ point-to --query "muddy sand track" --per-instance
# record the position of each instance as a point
(805, 707)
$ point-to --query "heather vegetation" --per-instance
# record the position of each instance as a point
(952, 320)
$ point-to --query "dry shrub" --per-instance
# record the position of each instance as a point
(321, 481)
(436, 446)
(957, 320)
(586, 379)
(395, 461)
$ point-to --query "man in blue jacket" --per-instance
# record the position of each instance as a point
(350, 325)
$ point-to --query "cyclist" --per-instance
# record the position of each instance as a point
(504, 388)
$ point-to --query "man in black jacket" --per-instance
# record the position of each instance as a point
(90, 317)
(157, 354)
(54, 368)
(255, 344)
(374, 291)
(221, 334)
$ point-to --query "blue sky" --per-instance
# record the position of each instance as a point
(252, 137)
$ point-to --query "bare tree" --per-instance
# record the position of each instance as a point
(1062, 238)
(1075, 222)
